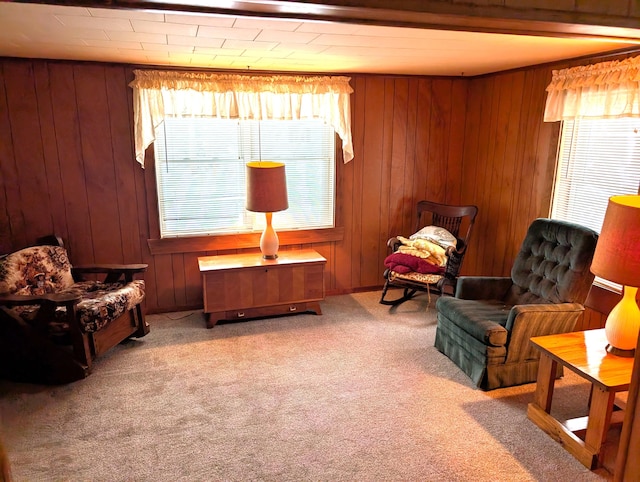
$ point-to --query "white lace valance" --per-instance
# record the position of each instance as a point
(606, 89)
(159, 94)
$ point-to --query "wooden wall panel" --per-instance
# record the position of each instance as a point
(11, 220)
(372, 159)
(28, 151)
(66, 120)
(458, 140)
(455, 147)
(397, 220)
(51, 160)
(125, 179)
(98, 162)
(508, 173)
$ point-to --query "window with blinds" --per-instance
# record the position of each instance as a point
(597, 159)
(200, 173)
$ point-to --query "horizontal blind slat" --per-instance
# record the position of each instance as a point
(597, 159)
(201, 173)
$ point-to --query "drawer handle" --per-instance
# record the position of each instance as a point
(292, 308)
(240, 314)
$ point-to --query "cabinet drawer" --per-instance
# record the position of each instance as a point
(266, 311)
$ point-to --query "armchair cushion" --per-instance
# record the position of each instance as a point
(482, 287)
(99, 304)
(35, 271)
(483, 320)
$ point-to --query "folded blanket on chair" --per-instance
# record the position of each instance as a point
(423, 248)
(406, 263)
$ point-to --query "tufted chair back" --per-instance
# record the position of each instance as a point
(553, 264)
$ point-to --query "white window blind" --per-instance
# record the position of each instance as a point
(597, 159)
(200, 172)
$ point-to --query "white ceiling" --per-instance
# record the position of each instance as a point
(240, 42)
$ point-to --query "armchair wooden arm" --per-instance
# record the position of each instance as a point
(62, 299)
(393, 244)
(113, 272)
(47, 305)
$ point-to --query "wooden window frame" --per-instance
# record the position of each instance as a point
(223, 242)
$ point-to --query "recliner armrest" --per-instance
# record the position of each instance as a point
(545, 310)
(527, 321)
(482, 287)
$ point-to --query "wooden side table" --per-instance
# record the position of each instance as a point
(583, 352)
(243, 286)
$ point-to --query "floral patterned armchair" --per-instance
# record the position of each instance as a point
(49, 297)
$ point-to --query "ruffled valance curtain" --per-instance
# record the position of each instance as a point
(159, 94)
(598, 91)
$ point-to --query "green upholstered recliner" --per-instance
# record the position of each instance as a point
(485, 329)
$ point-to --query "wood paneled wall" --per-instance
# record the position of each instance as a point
(67, 166)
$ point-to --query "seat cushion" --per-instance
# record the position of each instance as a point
(484, 320)
(425, 278)
(101, 303)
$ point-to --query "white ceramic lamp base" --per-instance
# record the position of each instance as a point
(623, 324)
(269, 242)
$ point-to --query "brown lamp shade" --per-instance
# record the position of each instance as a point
(266, 187)
(617, 256)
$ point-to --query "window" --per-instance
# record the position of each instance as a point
(597, 159)
(200, 171)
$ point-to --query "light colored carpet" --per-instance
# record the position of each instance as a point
(358, 393)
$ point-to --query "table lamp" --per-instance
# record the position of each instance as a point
(617, 259)
(267, 193)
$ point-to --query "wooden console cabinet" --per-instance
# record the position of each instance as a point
(242, 286)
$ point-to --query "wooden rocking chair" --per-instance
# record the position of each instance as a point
(453, 219)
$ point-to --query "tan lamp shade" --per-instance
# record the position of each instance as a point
(266, 187)
(617, 256)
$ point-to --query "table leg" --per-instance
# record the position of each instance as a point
(599, 419)
(545, 382)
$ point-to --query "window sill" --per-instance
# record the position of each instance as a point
(199, 244)
(602, 298)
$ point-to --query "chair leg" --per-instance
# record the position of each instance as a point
(79, 339)
(28, 356)
(141, 322)
(384, 292)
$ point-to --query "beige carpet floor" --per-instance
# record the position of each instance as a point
(357, 394)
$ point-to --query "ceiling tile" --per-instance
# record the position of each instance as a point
(291, 37)
(279, 25)
(192, 19)
(219, 51)
(113, 44)
(243, 44)
(156, 38)
(164, 27)
(195, 41)
(228, 33)
(75, 21)
(127, 14)
(168, 48)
